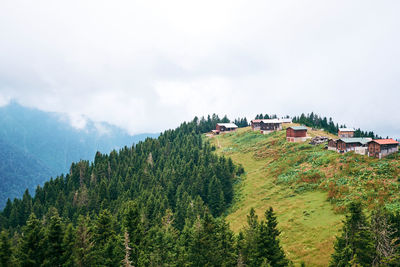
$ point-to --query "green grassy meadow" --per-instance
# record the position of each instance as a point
(308, 187)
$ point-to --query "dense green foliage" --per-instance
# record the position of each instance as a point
(266, 116)
(241, 122)
(18, 171)
(315, 121)
(156, 203)
(259, 243)
(368, 243)
(35, 145)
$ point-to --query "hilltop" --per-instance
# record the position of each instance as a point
(308, 186)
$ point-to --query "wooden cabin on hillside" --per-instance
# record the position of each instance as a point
(224, 127)
(270, 125)
(380, 148)
(296, 134)
(358, 145)
(256, 124)
(332, 144)
(346, 133)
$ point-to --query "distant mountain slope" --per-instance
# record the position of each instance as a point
(19, 170)
(40, 144)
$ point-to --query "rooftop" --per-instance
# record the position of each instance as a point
(346, 130)
(271, 121)
(361, 140)
(228, 125)
(386, 141)
(298, 128)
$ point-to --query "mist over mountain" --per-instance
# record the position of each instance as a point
(37, 145)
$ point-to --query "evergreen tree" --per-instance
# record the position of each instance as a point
(273, 251)
(135, 230)
(54, 240)
(259, 244)
(5, 249)
(356, 244)
(108, 246)
(84, 244)
(31, 250)
(68, 244)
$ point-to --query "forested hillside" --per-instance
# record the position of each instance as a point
(151, 204)
(43, 144)
(18, 171)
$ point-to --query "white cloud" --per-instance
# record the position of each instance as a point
(149, 65)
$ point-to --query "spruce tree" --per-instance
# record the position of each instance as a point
(134, 228)
(108, 246)
(356, 244)
(84, 251)
(274, 253)
(69, 246)
(31, 250)
(5, 249)
(54, 240)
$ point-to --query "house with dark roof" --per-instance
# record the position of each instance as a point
(296, 134)
(270, 125)
(359, 145)
(379, 148)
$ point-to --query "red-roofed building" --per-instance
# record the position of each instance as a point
(380, 148)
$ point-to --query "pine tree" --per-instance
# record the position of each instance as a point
(260, 244)
(108, 246)
(275, 254)
(5, 249)
(135, 230)
(54, 240)
(31, 250)
(355, 245)
(216, 200)
(84, 243)
(69, 246)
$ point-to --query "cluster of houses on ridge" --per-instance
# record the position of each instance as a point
(346, 142)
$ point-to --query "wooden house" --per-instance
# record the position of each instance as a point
(346, 133)
(255, 125)
(224, 127)
(270, 125)
(332, 144)
(296, 134)
(358, 145)
(380, 148)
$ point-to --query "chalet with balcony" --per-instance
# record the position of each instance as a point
(296, 134)
(380, 148)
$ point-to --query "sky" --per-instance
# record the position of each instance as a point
(147, 66)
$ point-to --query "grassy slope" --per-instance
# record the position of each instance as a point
(297, 180)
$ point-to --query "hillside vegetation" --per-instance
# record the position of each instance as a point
(157, 203)
(308, 186)
(36, 145)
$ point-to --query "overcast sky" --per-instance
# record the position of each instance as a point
(148, 65)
